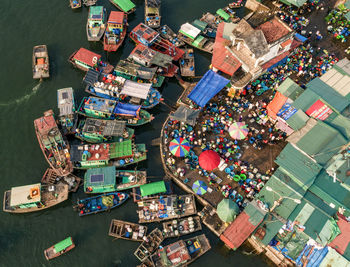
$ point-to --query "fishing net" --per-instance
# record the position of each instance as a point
(107, 201)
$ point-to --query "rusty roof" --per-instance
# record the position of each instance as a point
(45, 124)
(116, 17)
(274, 30)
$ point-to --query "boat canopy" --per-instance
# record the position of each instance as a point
(100, 179)
(95, 12)
(189, 30)
(125, 5)
(106, 127)
(223, 14)
(86, 56)
(186, 115)
(210, 84)
(116, 17)
(65, 100)
(152, 188)
(23, 195)
(63, 244)
(127, 109)
(135, 89)
(200, 24)
(121, 149)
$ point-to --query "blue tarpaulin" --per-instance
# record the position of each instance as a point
(300, 37)
(127, 109)
(314, 256)
(210, 84)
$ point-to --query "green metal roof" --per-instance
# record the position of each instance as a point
(63, 244)
(222, 14)
(333, 257)
(199, 24)
(256, 215)
(100, 179)
(301, 168)
(298, 120)
(125, 5)
(297, 3)
(121, 149)
(347, 4)
(290, 89)
(341, 123)
(306, 100)
(152, 188)
(272, 225)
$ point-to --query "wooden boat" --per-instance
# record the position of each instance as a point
(206, 30)
(191, 36)
(167, 33)
(149, 245)
(35, 197)
(236, 4)
(181, 253)
(116, 31)
(227, 14)
(51, 178)
(97, 131)
(143, 34)
(127, 179)
(166, 208)
(40, 63)
(84, 60)
(96, 23)
(89, 2)
(152, 13)
(152, 190)
(66, 105)
(187, 67)
(126, 6)
(60, 248)
(52, 144)
(210, 19)
(127, 230)
(182, 226)
(101, 108)
(74, 4)
(118, 154)
(96, 204)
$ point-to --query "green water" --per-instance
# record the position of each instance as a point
(23, 237)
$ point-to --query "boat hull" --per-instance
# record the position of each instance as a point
(50, 252)
(40, 72)
(116, 230)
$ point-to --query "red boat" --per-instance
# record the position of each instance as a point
(147, 36)
(115, 31)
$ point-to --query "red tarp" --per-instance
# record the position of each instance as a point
(87, 57)
(341, 242)
(209, 160)
(275, 105)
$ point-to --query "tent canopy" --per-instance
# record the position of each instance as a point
(152, 188)
(63, 244)
(210, 84)
(135, 89)
(199, 24)
(127, 109)
(121, 149)
(227, 210)
(189, 30)
(186, 115)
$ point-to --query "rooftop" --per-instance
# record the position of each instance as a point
(106, 127)
(65, 101)
(86, 56)
(116, 17)
(274, 30)
(45, 124)
(144, 32)
(25, 194)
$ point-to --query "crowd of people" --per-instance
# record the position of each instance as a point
(338, 24)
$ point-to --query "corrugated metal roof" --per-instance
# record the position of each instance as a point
(135, 89)
(334, 258)
(305, 100)
(298, 120)
(337, 80)
(255, 213)
(343, 65)
(272, 225)
(342, 124)
(290, 89)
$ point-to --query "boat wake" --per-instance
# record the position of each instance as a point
(23, 98)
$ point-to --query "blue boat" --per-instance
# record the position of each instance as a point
(93, 205)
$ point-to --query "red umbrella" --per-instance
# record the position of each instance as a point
(209, 160)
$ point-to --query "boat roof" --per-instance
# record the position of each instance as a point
(65, 99)
(121, 149)
(97, 177)
(107, 128)
(125, 5)
(24, 194)
(86, 56)
(92, 152)
(63, 244)
(152, 188)
(189, 30)
(95, 12)
(116, 17)
(145, 32)
(135, 89)
(45, 124)
(135, 70)
(100, 104)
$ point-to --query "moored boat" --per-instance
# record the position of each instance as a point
(52, 144)
(149, 245)
(74, 4)
(51, 178)
(167, 33)
(97, 131)
(187, 67)
(35, 197)
(152, 190)
(182, 226)
(40, 63)
(127, 230)
(66, 105)
(115, 31)
(236, 4)
(210, 19)
(191, 35)
(96, 204)
(152, 13)
(60, 248)
(227, 14)
(96, 23)
(89, 2)
(124, 5)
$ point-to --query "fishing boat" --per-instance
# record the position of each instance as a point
(97, 131)
(119, 154)
(34, 197)
(181, 253)
(191, 35)
(143, 34)
(115, 31)
(52, 144)
(66, 105)
(187, 63)
(127, 230)
(96, 23)
(74, 4)
(84, 60)
(138, 73)
(236, 4)
(152, 13)
(227, 14)
(108, 179)
(206, 30)
(41, 63)
(89, 2)
(149, 245)
(96, 204)
(152, 190)
(51, 178)
(167, 33)
(101, 108)
(182, 226)
(166, 208)
(60, 248)
(126, 6)
(211, 20)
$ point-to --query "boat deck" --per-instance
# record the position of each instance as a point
(187, 66)
(149, 245)
(127, 230)
(182, 226)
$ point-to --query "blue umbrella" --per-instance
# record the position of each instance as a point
(199, 187)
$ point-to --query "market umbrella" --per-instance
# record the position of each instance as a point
(199, 187)
(179, 147)
(238, 130)
(209, 160)
(227, 210)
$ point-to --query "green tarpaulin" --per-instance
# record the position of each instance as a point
(63, 244)
(199, 24)
(223, 14)
(121, 149)
(197, 41)
(152, 188)
(125, 5)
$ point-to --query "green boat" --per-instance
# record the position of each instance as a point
(59, 248)
(118, 154)
(108, 179)
(107, 109)
(124, 5)
(101, 131)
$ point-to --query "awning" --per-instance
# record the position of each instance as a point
(186, 115)
(135, 89)
(152, 188)
(276, 104)
(127, 109)
(125, 5)
(189, 30)
(210, 84)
